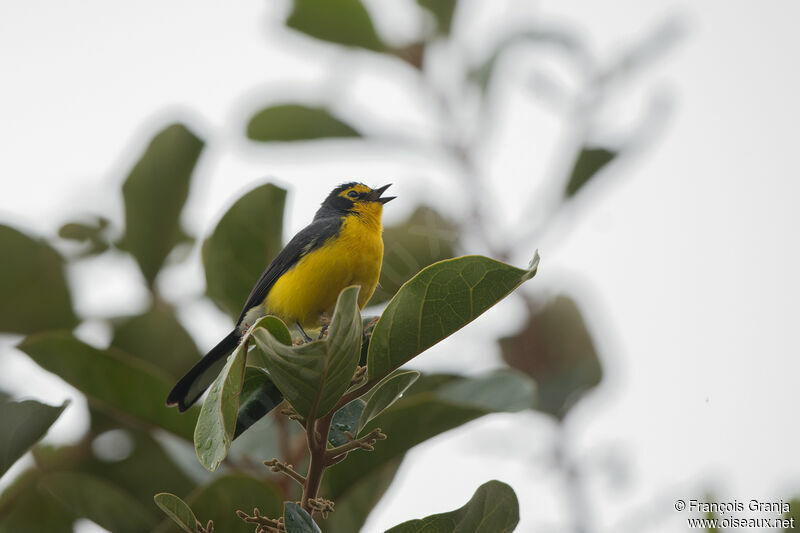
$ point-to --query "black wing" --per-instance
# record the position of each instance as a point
(307, 240)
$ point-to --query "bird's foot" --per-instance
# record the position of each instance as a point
(323, 332)
(303, 332)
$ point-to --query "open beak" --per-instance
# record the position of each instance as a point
(375, 195)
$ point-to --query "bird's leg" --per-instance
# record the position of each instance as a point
(325, 321)
(302, 332)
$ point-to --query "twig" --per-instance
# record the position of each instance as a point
(276, 466)
(265, 524)
(365, 443)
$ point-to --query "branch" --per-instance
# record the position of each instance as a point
(265, 525)
(276, 466)
(365, 443)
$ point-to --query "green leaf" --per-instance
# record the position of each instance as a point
(293, 122)
(92, 233)
(158, 338)
(355, 501)
(246, 239)
(589, 162)
(443, 403)
(259, 397)
(313, 376)
(422, 239)
(217, 421)
(27, 508)
(114, 382)
(22, 424)
(435, 303)
(338, 21)
(442, 10)
(99, 501)
(492, 509)
(297, 520)
(219, 500)
(177, 510)
(557, 351)
(35, 293)
(346, 419)
(386, 393)
(154, 194)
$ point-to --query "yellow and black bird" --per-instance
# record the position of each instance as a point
(342, 246)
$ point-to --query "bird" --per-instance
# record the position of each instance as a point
(342, 246)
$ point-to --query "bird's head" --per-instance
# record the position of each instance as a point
(356, 199)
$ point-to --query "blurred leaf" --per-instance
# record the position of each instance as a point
(435, 303)
(292, 122)
(99, 501)
(217, 421)
(259, 397)
(588, 163)
(26, 508)
(113, 381)
(93, 233)
(177, 510)
(35, 292)
(158, 338)
(219, 500)
(386, 393)
(346, 419)
(442, 10)
(337, 21)
(313, 376)
(297, 520)
(22, 424)
(557, 351)
(154, 194)
(492, 509)
(244, 242)
(424, 238)
(354, 502)
(418, 417)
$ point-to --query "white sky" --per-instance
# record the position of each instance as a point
(684, 264)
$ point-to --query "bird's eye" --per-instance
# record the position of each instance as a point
(352, 194)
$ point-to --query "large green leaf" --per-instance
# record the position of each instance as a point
(154, 194)
(444, 403)
(178, 510)
(435, 303)
(114, 382)
(386, 393)
(313, 376)
(99, 501)
(158, 338)
(355, 501)
(22, 424)
(259, 397)
(244, 242)
(35, 293)
(217, 421)
(492, 509)
(219, 500)
(422, 239)
(442, 10)
(293, 122)
(337, 21)
(557, 351)
(589, 162)
(27, 508)
(297, 520)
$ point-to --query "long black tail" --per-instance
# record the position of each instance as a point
(202, 375)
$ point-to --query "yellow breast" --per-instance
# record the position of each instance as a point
(310, 288)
